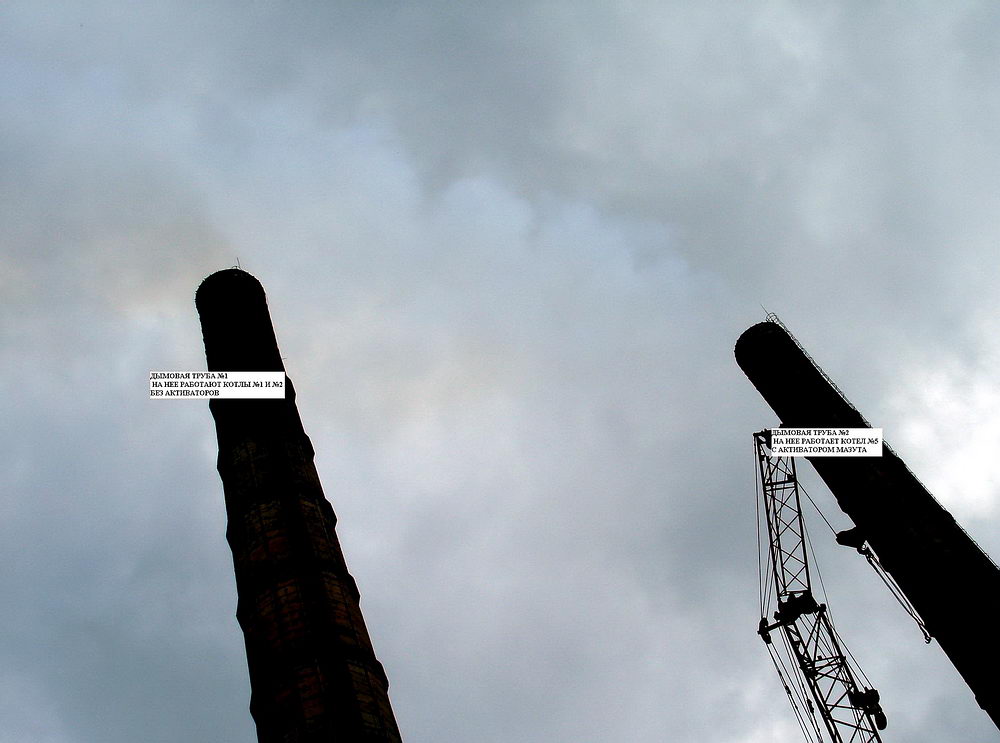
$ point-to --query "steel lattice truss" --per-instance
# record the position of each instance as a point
(784, 521)
(849, 714)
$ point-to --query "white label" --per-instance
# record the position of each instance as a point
(216, 385)
(826, 442)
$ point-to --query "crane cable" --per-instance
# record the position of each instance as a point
(888, 580)
(795, 697)
(802, 690)
(855, 666)
(896, 591)
(763, 556)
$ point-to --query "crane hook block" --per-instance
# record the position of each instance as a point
(764, 631)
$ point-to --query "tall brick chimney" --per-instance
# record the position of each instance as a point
(313, 673)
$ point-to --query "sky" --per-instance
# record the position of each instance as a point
(508, 249)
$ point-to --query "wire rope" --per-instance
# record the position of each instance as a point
(888, 580)
(802, 691)
(797, 708)
(761, 570)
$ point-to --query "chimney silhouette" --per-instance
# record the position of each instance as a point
(947, 578)
(313, 673)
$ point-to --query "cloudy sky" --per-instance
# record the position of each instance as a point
(508, 248)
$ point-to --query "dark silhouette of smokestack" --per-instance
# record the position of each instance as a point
(950, 581)
(313, 674)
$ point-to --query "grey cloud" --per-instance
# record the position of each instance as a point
(507, 251)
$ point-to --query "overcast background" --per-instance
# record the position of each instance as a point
(508, 248)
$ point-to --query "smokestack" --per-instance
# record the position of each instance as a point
(313, 673)
(950, 581)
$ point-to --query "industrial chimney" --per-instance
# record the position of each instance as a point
(947, 578)
(313, 674)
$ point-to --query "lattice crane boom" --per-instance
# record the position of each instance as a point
(850, 714)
